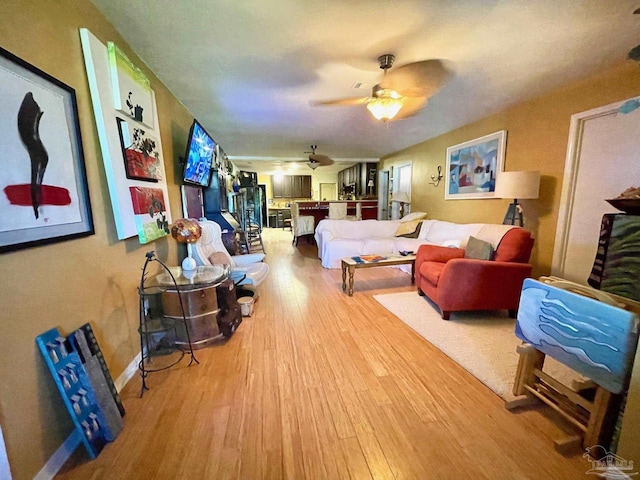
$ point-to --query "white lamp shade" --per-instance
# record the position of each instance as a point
(401, 196)
(524, 184)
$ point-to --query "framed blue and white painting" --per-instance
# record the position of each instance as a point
(472, 167)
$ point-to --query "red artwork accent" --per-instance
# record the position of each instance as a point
(21, 195)
(142, 198)
(141, 166)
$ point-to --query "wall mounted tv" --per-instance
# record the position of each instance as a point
(198, 163)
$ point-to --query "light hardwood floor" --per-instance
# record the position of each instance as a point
(319, 385)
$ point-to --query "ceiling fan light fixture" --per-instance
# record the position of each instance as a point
(385, 105)
(312, 165)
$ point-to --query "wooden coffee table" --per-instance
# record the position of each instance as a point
(370, 261)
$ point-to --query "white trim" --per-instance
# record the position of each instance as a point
(59, 458)
(571, 167)
(73, 441)
(5, 469)
(128, 373)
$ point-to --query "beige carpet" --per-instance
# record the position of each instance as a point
(483, 343)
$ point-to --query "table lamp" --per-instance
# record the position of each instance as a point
(401, 197)
(517, 185)
(370, 185)
(187, 230)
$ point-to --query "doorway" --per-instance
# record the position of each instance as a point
(328, 191)
(601, 163)
(401, 183)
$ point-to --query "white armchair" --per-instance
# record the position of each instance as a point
(245, 269)
(301, 224)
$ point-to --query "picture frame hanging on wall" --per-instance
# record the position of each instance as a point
(121, 174)
(472, 167)
(149, 207)
(131, 87)
(44, 197)
(139, 149)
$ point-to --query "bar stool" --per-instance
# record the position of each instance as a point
(284, 219)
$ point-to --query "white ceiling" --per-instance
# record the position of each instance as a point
(248, 70)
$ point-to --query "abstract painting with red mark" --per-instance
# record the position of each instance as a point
(141, 158)
(43, 192)
(149, 211)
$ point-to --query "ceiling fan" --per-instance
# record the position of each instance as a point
(315, 159)
(402, 92)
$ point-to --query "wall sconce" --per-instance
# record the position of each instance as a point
(435, 179)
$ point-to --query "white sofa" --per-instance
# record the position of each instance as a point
(337, 239)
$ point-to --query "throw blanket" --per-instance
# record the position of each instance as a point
(493, 233)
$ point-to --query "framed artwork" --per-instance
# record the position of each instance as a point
(131, 87)
(472, 167)
(149, 208)
(44, 196)
(131, 150)
(141, 158)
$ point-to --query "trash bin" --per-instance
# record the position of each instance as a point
(246, 306)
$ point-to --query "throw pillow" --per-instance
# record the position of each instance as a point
(219, 258)
(413, 216)
(409, 229)
(478, 249)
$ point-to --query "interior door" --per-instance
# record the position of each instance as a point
(263, 204)
(602, 161)
(328, 191)
(401, 182)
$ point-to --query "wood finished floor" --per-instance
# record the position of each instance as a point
(319, 385)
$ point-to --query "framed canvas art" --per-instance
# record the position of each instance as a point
(141, 157)
(43, 185)
(131, 150)
(149, 208)
(131, 87)
(472, 167)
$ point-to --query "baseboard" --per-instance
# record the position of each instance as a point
(128, 373)
(73, 441)
(59, 458)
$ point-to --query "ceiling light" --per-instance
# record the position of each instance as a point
(385, 105)
(313, 165)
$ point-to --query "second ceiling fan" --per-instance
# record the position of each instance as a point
(316, 160)
(403, 91)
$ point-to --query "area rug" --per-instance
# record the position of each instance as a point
(483, 343)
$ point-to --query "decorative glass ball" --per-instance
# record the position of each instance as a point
(186, 230)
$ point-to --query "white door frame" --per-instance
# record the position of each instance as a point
(571, 169)
(402, 177)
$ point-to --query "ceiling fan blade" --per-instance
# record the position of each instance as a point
(418, 79)
(342, 101)
(412, 105)
(321, 159)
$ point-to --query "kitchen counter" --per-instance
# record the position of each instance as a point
(320, 209)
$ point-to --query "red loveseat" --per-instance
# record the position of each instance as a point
(455, 283)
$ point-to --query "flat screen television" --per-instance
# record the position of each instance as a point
(199, 157)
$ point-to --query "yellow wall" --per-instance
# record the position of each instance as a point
(85, 280)
(94, 279)
(537, 136)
